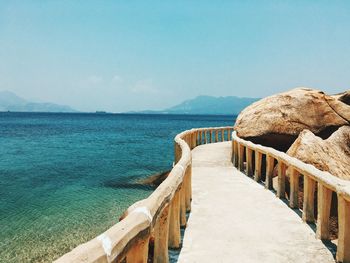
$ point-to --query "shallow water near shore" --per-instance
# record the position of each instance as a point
(66, 178)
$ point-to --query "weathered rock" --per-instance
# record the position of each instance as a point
(332, 154)
(276, 121)
(343, 97)
(340, 104)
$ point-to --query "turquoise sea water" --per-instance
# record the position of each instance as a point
(65, 178)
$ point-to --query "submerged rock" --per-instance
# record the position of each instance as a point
(332, 154)
(276, 121)
(155, 179)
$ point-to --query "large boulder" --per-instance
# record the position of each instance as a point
(332, 154)
(276, 121)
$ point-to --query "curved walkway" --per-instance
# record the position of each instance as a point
(234, 219)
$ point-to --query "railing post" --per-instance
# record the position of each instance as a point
(205, 137)
(270, 162)
(182, 193)
(240, 157)
(294, 188)
(139, 252)
(257, 170)
(174, 224)
(222, 135)
(249, 161)
(191, 140)
(233, 152)
(343, 251)
(194, 140)
(235, 156)
(210, 136)
(216, 135)
(177, 152)
(200, 137)
(229, 134)
(308, 204)
(281, 190)
(185, 139)
(188, 178)
(161, 233)
(324, 199)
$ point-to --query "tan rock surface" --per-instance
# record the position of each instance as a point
(343, 97)
(277, 120)
(332, 154)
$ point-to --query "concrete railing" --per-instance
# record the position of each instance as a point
(155, 220)
(244, 152)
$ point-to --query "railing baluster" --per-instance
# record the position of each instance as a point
(139, 252)
(222, 135)
(257, 170)
(182, 193)
(249, 161)
(270, 161)
(188, 179)
(281, 190)
(343, 251)
(216, 135)
(308, 204)
(191, 140)
(324, 199)
(294, 188)
(229, 134)
(235, 153)
(194, 140)
(177, 152)
(240, 157)
(161, 233)
(174, 224)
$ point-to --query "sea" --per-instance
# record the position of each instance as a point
(67, 177)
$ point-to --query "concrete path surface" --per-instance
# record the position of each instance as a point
(234, 219)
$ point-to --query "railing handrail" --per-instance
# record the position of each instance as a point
(336, 184)
(130, 236)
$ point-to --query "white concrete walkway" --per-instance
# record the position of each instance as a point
(234, 219)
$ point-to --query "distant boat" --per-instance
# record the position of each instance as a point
(100, 112)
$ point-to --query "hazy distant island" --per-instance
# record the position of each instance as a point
(9, 101)
(201, 105)
(230, 105)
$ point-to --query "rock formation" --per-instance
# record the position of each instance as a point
(276, 121)
(343, 97)
(332, 154)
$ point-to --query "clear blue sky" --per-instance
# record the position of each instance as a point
(132, 55)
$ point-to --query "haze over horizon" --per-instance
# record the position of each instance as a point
(123, 56)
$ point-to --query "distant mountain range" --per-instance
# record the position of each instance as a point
(230, 105)
(11, 102)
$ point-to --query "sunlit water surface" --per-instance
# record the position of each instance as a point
(65, 178)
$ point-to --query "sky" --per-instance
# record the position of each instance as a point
(135, 55)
